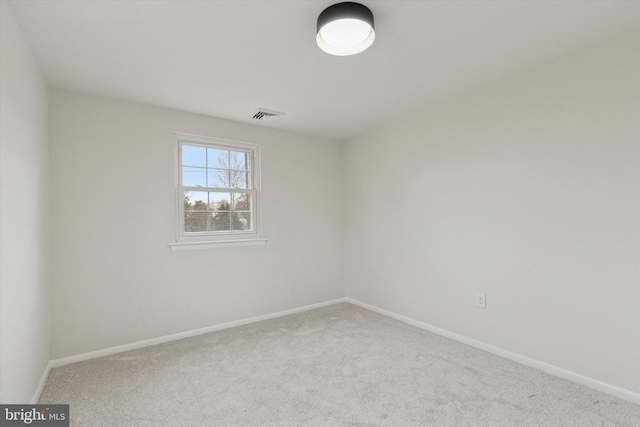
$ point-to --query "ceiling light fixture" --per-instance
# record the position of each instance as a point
(345, 29)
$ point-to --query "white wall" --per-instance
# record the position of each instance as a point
(115, 280)
(25, 325)
(527, 189)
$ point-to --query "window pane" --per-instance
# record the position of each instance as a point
(218, 178)
(194, 177)
(217, 158)
(221, 221)
(239, 180)
(195, 201)
(241, 221)
(217, 187)
(220, 201)
(194, 156)
(241, 201)
(195, 222)
(238, 160)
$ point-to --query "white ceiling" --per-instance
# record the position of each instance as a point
(227, 58)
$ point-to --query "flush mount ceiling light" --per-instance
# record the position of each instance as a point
(345, 29)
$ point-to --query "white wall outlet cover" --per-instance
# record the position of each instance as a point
(481, 300)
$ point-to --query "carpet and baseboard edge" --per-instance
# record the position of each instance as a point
(616, 391)
(613, 390)
(55, 363)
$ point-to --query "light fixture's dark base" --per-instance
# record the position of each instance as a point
(344, 11)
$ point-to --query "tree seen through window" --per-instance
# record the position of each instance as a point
(218, 202)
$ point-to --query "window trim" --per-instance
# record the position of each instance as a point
(208, 240)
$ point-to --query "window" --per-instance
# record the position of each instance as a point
(218, 191)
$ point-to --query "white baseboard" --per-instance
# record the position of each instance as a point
(159, 340)
(613, 390)
(42, 383)
(527, 361)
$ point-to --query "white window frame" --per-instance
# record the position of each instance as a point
(216, 239)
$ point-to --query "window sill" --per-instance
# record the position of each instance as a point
(214, 244)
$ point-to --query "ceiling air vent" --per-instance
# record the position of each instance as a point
(267, 115)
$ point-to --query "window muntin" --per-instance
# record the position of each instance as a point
(218, 189)
(215, 211)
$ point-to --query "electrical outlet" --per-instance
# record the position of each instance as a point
(481, 300)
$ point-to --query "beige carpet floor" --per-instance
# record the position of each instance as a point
(335, 366)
